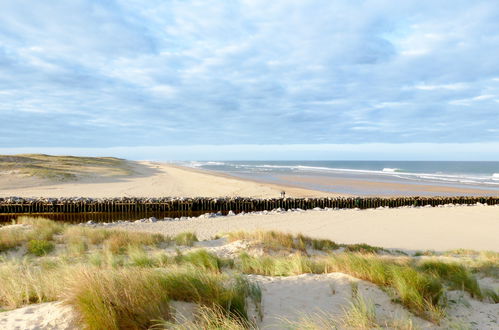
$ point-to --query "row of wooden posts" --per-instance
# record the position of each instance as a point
(137, 205)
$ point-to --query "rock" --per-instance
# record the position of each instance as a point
(231, 213)
(152, 219)
(138, 221)
(90, 222)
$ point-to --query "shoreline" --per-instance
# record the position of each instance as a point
(355, 187)
(154, 179)
(158, 179)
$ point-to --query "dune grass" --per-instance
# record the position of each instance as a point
(456, 275)
(118, 299)
(11, 238)
(115, 240)
(421, 293)
(39, 247)
(187, 239)
(209, 319)
(24, 283)
(37, 228)
(363, 248)
(276, 240)
(63, 168)
(361, 313)
(201, 259)
(130, 278)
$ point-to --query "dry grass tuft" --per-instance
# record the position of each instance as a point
(361, 313)
(206, 318)
(187, 239)
(23, 283)
(118, 299)
(11, 238)
(278, 241)
(116, 241)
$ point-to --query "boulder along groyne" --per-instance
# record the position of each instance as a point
(237, 204)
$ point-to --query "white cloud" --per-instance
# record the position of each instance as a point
(192, 72)
(428, 87)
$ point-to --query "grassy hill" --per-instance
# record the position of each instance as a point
(63, 168)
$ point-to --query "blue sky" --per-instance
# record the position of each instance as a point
(105, 75)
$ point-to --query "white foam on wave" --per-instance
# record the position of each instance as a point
(201, 164)
(387, 171)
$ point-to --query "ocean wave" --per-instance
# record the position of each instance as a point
(468, 179)
(390, 170)
(201, 164)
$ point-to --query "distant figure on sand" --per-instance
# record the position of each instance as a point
(283, 194)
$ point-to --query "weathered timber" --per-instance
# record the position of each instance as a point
(236, 204)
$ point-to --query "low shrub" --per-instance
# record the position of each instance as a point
(39, 247)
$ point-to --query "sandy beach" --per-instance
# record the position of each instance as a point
(434, 228)
(405, 232)
(150, 179)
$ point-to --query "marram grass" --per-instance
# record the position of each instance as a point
(131, 278)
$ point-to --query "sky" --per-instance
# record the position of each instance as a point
(291, 79)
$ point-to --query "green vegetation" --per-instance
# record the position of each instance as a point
(214, 318)
(361, 313)
(420, 292)
(277, 241)
(39, 247)
(363, 248)
(457, 276)
(187, 239)
(121, 279)
(201, 260)
(11, 238)
(63, 168)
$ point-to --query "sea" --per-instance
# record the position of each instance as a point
(369, 177)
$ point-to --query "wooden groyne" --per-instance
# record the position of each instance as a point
(14, 205)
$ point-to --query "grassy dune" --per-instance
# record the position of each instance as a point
(63, 168)
(122, 279)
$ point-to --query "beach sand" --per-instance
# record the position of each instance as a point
(434, 228)
(150, 179)
(382, 188)
(156, 179)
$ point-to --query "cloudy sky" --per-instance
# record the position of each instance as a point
(125, 74)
